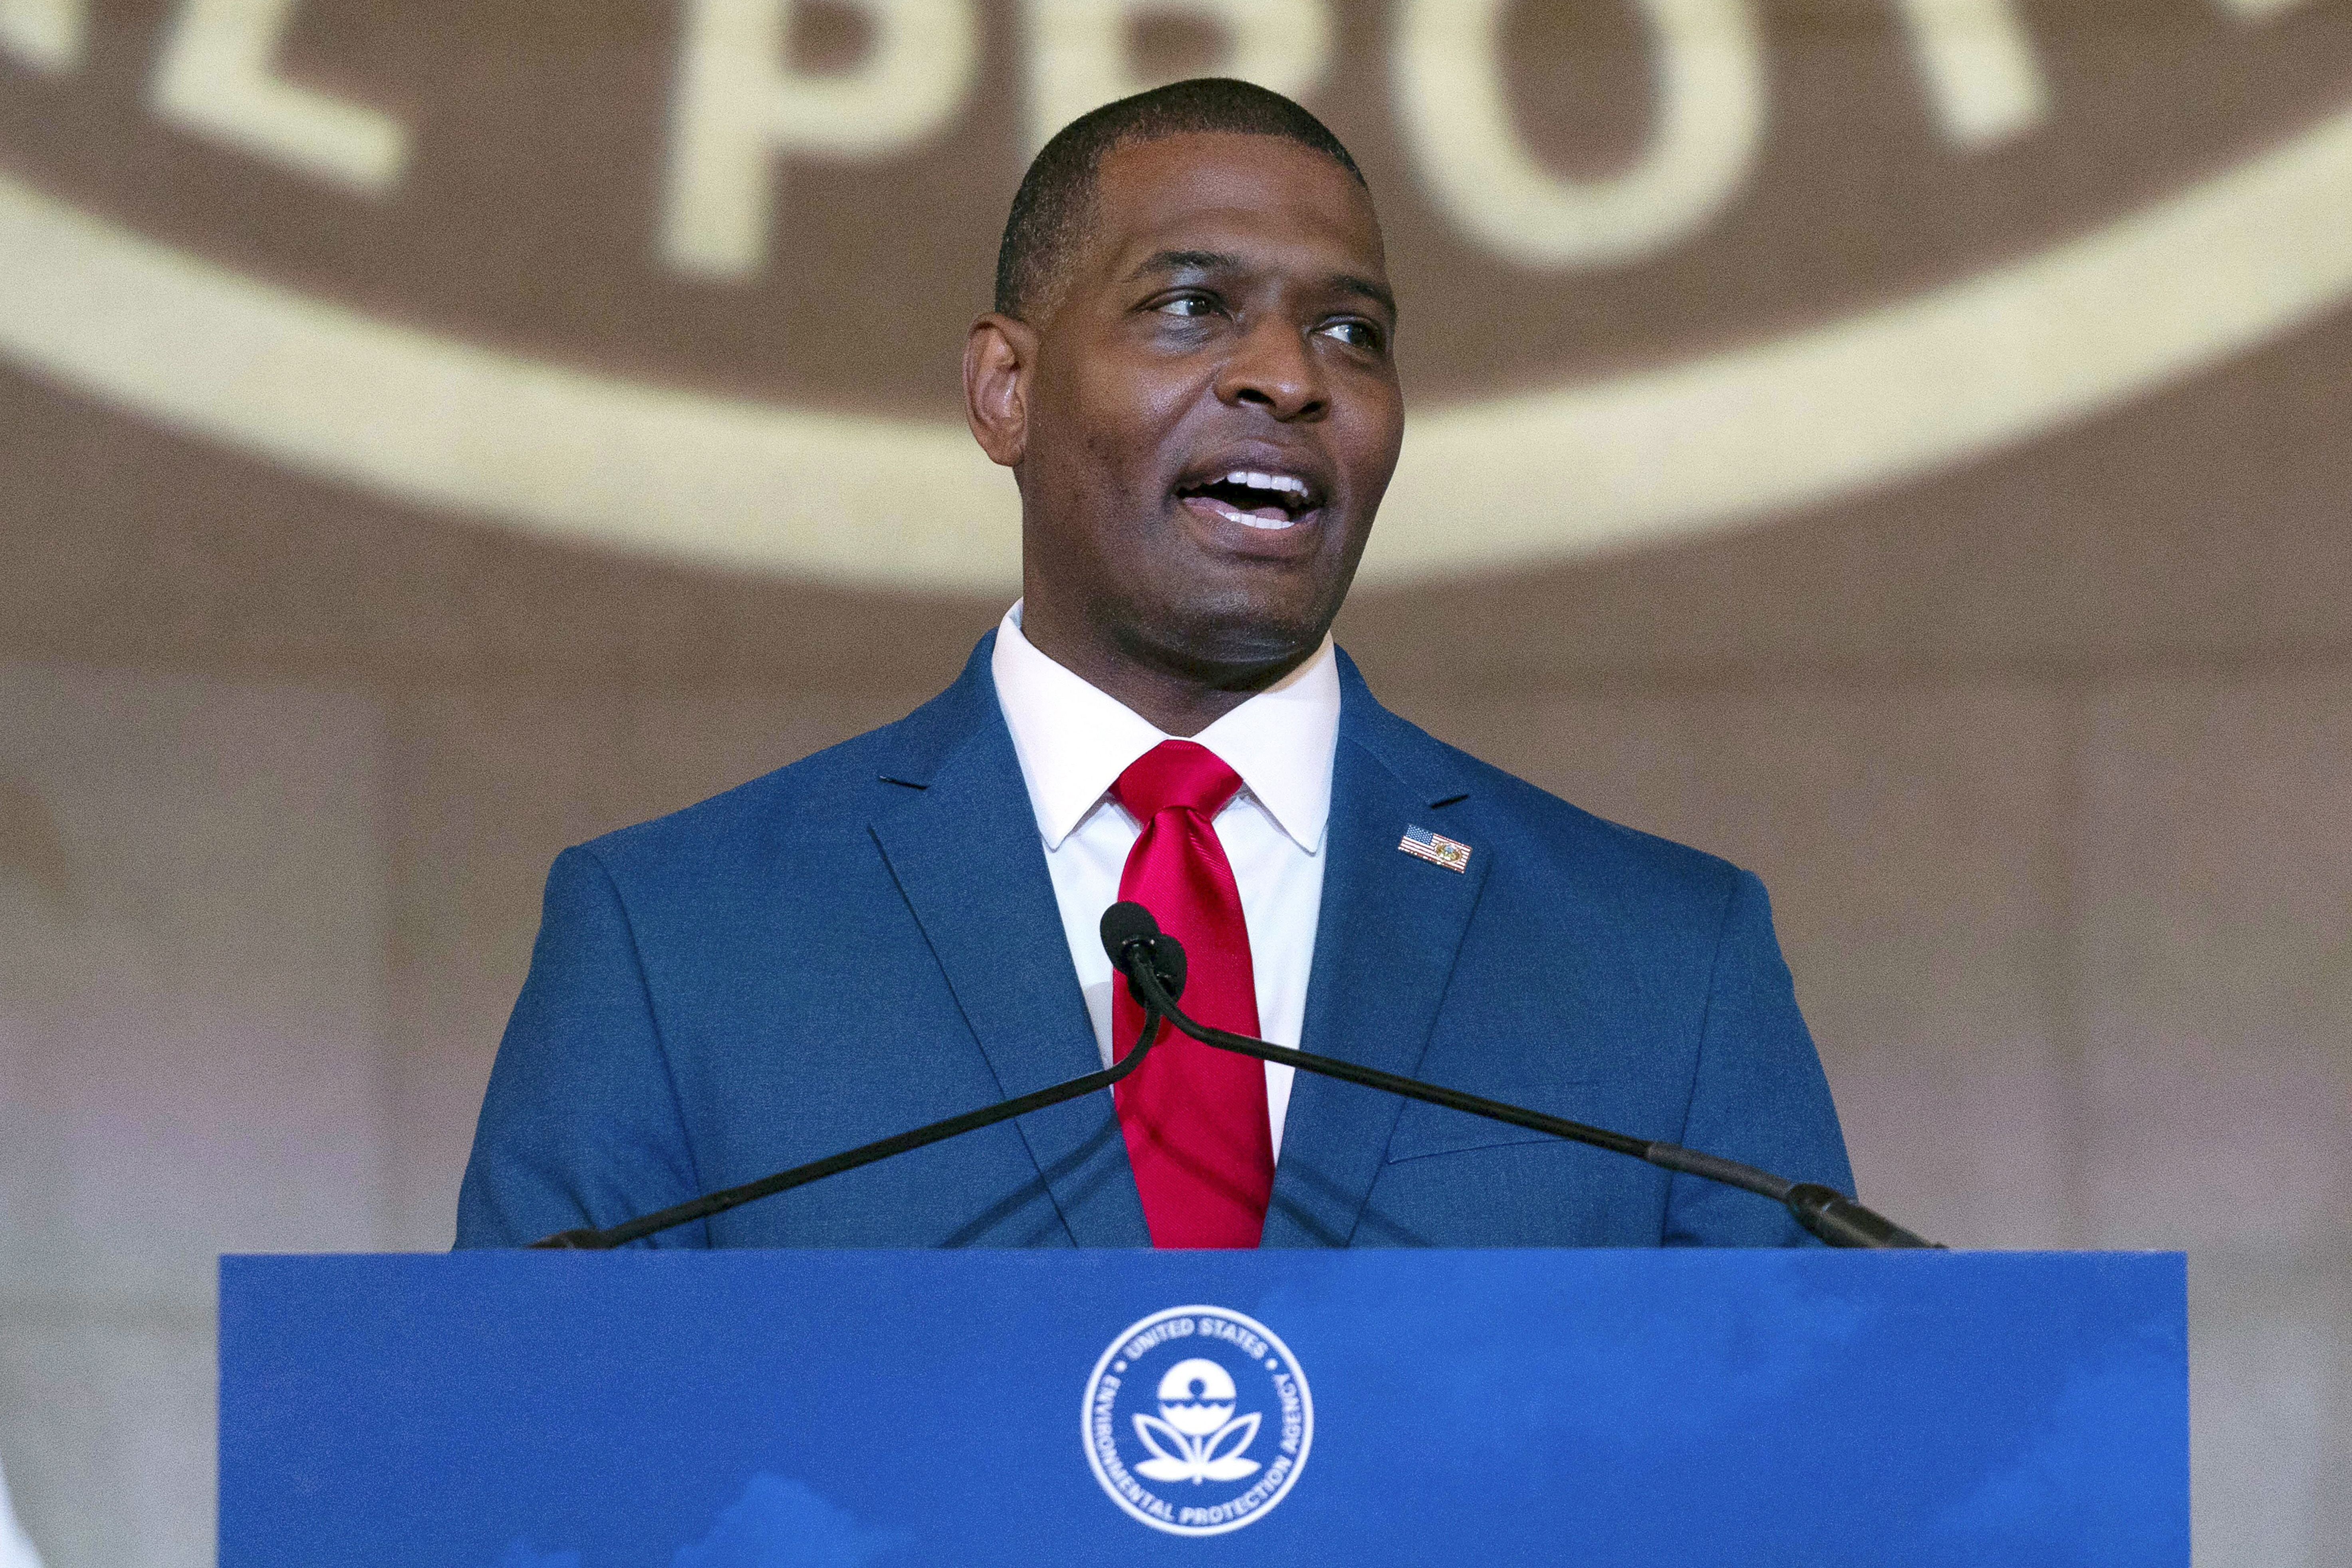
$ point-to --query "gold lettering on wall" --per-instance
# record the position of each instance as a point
(740, 107)
(218, 77)
(1707, 122)
(1979, 64)
(1079, 50)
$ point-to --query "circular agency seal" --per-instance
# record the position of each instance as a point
(1197, 1420)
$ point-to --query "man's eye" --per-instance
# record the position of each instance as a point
(1356, 333)
(1188, 305)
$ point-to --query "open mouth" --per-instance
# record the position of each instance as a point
(1254, 498)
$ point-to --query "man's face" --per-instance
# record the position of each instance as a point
(1213, 412)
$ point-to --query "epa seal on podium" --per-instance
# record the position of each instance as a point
(1198, 1420)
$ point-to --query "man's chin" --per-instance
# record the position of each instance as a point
(1234, 645)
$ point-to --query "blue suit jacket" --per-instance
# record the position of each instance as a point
(867, 941)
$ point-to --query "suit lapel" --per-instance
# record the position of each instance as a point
(962, 844)
(1384, 951)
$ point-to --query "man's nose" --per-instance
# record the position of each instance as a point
(1273, 368)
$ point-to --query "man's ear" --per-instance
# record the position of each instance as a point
(998, 356)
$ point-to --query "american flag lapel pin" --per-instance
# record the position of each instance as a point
(1436, 848)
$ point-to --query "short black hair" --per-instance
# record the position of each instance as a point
(1049, 211)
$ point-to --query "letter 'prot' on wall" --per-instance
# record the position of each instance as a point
(741, 107)
(1080, 54)
(1978, 61)
(218, 77)
(1707, 121)
(45, 34)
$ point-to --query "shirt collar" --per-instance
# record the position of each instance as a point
(1075, 740)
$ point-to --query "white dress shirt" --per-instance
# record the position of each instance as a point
(1074, 741)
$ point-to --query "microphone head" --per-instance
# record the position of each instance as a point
(1130, 933)
(1123, 922)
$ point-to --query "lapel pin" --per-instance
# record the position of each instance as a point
(1436, 848)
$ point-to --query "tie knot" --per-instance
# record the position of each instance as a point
(1176, 774)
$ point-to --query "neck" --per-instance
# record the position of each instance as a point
(1174, 698)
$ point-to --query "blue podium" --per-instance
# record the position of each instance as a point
(765, 1409)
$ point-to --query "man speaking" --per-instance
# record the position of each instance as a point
(1191, 372)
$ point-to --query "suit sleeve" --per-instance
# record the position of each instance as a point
(1759, 1094)
(580, 1124)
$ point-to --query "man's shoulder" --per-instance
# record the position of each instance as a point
(832, 783)
(816, 803)
(1533, 832)
(1603, 854)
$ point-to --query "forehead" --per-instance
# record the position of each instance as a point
(1264, 197)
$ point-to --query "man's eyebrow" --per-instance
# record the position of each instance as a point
(1219, 261)
(1185, 261)
(1348, 283)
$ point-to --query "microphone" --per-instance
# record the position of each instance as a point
(1145, 954)
(1129, 935)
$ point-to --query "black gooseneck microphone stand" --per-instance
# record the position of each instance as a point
(1153, 963)
(590, 1239)
(1144, 953)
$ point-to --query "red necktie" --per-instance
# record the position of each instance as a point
(1195, 1116)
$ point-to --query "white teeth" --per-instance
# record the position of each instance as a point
(1246, 519)
(1256, 480)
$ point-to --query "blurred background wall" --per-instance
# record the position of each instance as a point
(1901, 444)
